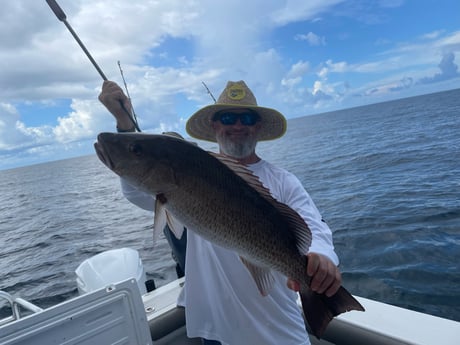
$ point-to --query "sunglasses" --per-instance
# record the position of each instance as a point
(247, 118)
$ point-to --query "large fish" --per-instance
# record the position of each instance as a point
(225, 203)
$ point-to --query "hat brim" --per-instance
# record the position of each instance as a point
(273, 124)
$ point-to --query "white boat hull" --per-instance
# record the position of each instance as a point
(380, 324)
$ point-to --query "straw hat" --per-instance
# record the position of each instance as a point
(236, 95)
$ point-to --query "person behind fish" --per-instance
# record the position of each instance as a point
(223, 305)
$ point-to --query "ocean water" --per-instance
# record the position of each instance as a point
(386, 178)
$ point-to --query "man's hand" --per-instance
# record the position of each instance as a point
(117, 103)
(325, 276)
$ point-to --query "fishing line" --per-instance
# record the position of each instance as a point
(127, 92)
(63, 18)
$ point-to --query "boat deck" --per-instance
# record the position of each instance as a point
(118, 314)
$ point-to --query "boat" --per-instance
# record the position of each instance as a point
(124, 312)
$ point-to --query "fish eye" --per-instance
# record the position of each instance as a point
(135, 148)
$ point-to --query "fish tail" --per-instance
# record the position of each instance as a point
(319, 309)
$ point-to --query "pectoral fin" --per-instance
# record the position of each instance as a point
(262, 276)
(176, 227)
(163, 217)
(159, 220)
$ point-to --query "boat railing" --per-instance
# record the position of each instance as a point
(18, 305)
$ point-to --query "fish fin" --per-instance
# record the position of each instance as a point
(159, 220)
(175, 226)
(242, 171)
(319, 309)
(163, 217)
(262, 276)
(297, 225)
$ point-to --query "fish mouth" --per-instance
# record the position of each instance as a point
(102, 154)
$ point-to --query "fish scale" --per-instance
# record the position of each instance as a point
(245, 214)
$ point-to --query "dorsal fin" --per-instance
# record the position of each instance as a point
(297, 224)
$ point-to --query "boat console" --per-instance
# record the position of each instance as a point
(111, 315)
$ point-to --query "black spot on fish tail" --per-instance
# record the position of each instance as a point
(319, 309)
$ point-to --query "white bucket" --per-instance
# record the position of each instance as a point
(110, 267)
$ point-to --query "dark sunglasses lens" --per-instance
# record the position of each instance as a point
(228, 118)
(246, 119)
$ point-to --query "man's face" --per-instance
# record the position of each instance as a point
(238, 138)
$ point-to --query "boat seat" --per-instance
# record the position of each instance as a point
(111, 315)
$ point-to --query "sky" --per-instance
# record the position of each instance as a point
(300, 57)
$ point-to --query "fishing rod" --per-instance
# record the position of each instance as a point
(63, 18)
(210, 93)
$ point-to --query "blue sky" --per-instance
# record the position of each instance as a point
(300, 57)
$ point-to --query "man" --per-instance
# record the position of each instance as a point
(223, 306)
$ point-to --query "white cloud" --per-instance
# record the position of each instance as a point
(338, 67)
(432, 35)
(448, 67)
(295, 75)
(300, 68)
(297, 10)
(8, 118)
(317, 86)
(311, 38)
(450, 42)
(80, 123)
(291, 82)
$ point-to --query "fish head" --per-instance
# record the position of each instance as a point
(147, 161)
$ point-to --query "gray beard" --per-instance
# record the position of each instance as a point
(236, 150)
